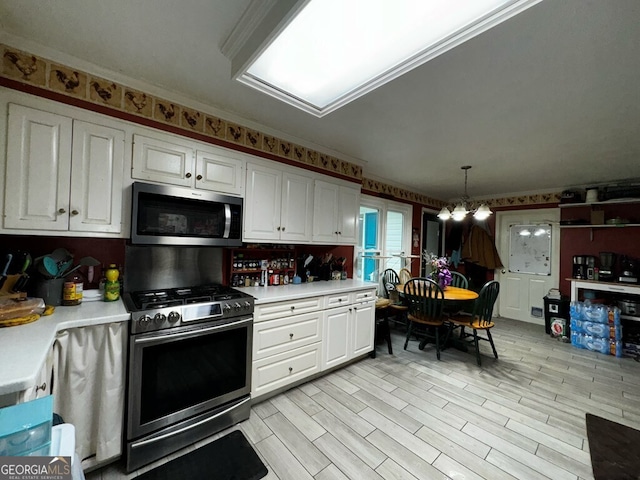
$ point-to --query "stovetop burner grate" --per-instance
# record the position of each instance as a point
(146, 300)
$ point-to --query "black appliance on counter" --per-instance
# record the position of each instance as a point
(607, 271)
(584, 267)
(190, 344)
(629, 269)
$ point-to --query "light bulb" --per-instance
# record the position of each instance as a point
(459, 213)
(482, 213)
(444, 214)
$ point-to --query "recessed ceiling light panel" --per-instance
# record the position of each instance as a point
(330, 52)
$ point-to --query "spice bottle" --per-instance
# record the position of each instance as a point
(112, 285)
(72, 289)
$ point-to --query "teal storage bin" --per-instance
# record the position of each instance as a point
(25, 428)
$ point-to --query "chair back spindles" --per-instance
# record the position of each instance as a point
(459, 280)
(424, 297)
(389, 281)
(483, 308)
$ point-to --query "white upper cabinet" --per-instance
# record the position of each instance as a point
(178, 161)
(335, 213)
(278, 205)
(62, 174)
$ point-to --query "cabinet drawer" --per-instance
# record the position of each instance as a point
(284, 334)
(337, 300)
(280, 370)
(271, 311)
(365, 295)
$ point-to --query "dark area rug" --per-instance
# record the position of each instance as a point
(615, 449)
(228, 458)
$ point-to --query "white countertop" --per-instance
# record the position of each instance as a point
(23, 348)
(291, 292)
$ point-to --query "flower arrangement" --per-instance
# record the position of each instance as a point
(439, 269)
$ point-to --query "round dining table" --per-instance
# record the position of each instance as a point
(450, 293)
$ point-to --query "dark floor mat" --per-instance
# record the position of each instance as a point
(615, 449)
(228, 458)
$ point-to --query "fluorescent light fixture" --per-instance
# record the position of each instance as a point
(319, 55)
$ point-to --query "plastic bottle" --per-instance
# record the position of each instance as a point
(112, 286)
(72, 289)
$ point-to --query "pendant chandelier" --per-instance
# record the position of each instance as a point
(465, 206)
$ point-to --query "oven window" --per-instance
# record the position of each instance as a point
(180, 374)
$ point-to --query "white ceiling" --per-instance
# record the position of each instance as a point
(547, 100)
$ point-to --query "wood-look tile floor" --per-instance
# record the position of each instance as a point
(409, 416)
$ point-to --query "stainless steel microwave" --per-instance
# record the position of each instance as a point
(167, 215)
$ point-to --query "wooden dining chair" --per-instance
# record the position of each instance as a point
(397, 309)
(454, 307)
(425, 300)
(404, 274)
(480, 318)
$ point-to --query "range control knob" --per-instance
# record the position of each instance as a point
(144, 320)
(226, 307)
(247, 305)
(237, 306)
(159, 318)
(173, 317)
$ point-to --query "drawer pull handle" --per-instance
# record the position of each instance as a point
(339, 300)
(291, 336)
(290, 369)
(293, 307)
(42, 387)
(61, 211)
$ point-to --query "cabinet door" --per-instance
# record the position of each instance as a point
(297, 208)
(363, 328)
(38, 169)
(42, 388)
(162, 161)
(262, 203)
(96, 178)
(219, 172)
(348, 215)
(325, 212)
(336, 345)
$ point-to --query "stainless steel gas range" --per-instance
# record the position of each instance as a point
(189, 372)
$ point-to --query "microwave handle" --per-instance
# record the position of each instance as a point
(227, 220)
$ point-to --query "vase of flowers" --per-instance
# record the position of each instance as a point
(440, 272)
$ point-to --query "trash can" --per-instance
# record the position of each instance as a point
(556, 312)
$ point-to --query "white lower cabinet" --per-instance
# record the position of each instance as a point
(293, 340)
(348, 330)
(285, 368)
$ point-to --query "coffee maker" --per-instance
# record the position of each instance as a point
(628, 270)
(607, 267)
(584, 267)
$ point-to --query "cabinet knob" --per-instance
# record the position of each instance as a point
(339, 233)
(199, 177)
(290, 369)
(293, 307)
(339, 300)
(188, 175)
(336, 233)
(283, 229)
(278, 229)
(61, 211)
(291, 336)
(74, 212)
(42, 387)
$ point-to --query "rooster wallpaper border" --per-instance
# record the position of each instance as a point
(113, 98)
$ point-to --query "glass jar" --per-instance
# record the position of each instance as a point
(72, 289)
(112, 285)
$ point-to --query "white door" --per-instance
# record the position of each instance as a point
(38, 169)
(521, 294)
(262, 203)
(363, 323)
(297, 208)
(336, 341)
(96, 178)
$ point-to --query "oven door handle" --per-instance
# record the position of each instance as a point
(190, 333)
(188, 427)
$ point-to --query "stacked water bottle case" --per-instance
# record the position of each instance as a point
(596, 327)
